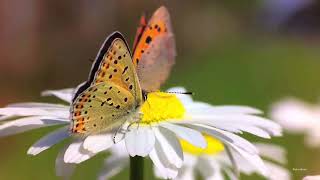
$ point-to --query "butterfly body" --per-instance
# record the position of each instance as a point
(112, 94)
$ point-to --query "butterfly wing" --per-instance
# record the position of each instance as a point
(155, 52)
(140, 30)
(101, 108)
(111, 94)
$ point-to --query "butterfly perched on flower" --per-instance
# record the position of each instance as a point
(112, 95)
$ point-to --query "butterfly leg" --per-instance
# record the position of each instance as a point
(136, 120)
(120, 130)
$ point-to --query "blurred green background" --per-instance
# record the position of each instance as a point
(229, 52)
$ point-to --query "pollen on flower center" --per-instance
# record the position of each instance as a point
(161, 106)
(214, 146)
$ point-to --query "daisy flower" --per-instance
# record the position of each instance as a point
(213, 162)
(166, 118)
(296, 116)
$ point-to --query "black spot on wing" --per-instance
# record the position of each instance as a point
(148, 39)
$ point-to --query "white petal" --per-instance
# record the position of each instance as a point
(243, 148)
(312, 178)
(255, 161)
(227, 138)
(201, 107)
(177, 89)
(119, 149)
(64, 94)
(312, 137)
(46, 106)
(49, 140)
(190, 135)
(18, 111)
(140, 141)
(294, 115)
(246, 162)
(170, 146)
(242, 120)
(255, 131)
(63, 169)
(112, 166)
(230, 174)
(204, 167)
(189, 159)
(97, 143)
(75, 153)
(232, 109)
(273, 152)
(28, 123)
(161, 163)
(277, 172)
(185, 173)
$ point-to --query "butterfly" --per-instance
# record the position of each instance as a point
(112, 94)
(154, 50)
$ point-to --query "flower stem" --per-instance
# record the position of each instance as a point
(136, 168)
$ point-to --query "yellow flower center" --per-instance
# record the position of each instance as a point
(161, 106)
(214, 146)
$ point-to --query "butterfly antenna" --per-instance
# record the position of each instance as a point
(186, 93)
(129, 126)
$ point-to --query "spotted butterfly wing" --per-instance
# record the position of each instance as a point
(140, 30)
(112, 94)
(154, 50)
